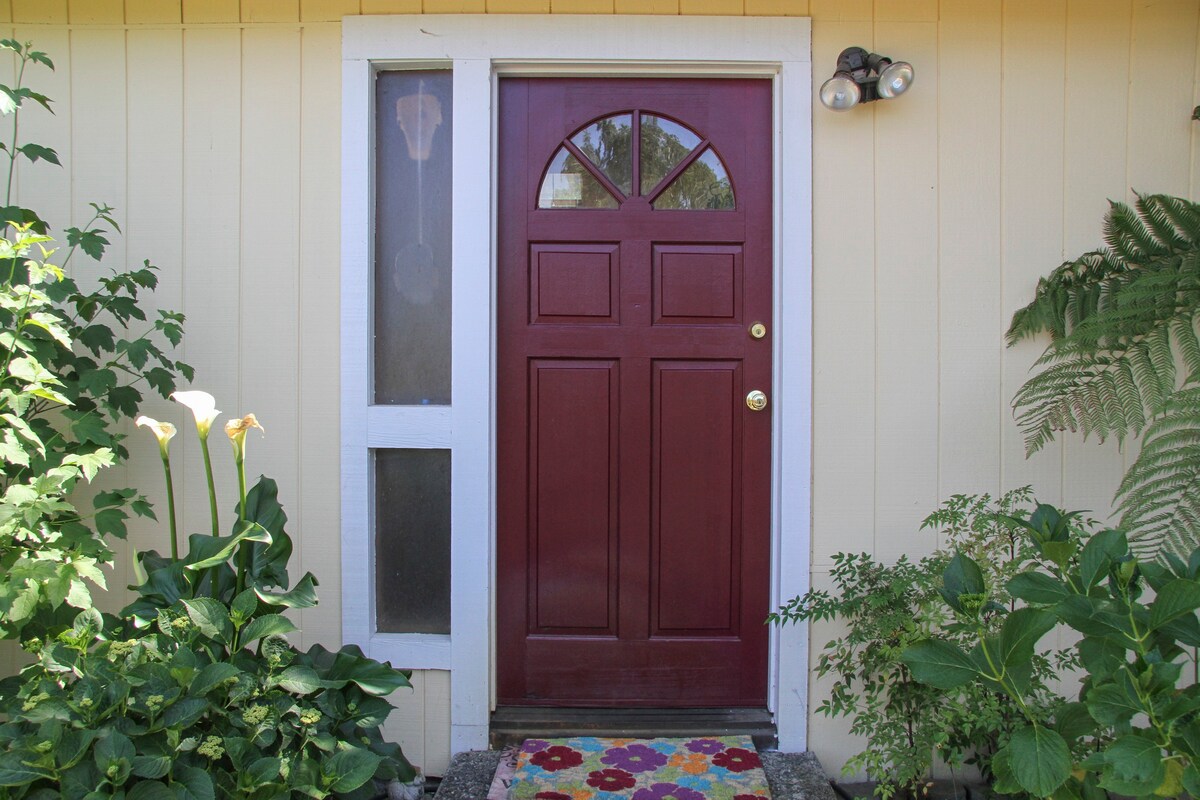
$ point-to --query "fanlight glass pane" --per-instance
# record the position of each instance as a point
(412, 541)
(609, 145)
(412, 237)
(664, 145)
(568, 184)
(703, 186)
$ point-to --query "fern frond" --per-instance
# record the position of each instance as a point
(1159, 498)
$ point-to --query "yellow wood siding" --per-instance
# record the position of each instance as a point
(213, 127)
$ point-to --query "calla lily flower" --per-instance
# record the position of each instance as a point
(163, 431)
(236, 430)
(202, 405)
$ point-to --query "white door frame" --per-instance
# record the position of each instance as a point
(480, 49)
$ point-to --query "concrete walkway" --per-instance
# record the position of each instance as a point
(791, 776)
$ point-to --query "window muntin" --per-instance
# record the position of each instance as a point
(676, 168)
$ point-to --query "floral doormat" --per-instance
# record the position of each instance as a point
(588, 768)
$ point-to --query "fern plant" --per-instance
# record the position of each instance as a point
(1124, 360)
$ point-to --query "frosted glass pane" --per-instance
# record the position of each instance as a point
(703, 186)
(412, 238)
(568, 184)
(412, 541)
(608, 145)
(664, 145)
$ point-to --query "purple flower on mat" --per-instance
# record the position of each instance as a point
(534, 745)
(667, 791)
(737, 759)
(611, 780)
(706, 746)
(557, 757)
(634, 758)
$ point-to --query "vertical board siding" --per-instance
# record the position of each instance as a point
(844, 305)
(971, 408)
(318, 543)
(1032, 145)
(153, 217)
(212, 125)
(212, 192)
(268, 278)
(906, 295)
(1098, 36)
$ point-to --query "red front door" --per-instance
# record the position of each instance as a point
(633, 477)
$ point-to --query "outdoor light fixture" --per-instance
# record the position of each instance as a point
(862, 77)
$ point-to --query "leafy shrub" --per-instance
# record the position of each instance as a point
(75, 363)
(194, 691)
(888, 608)
(1135, 729)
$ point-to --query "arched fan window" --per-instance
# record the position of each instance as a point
(637, 154)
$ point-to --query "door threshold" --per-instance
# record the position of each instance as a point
(511, 725)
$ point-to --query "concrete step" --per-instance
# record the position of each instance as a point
(512, 725)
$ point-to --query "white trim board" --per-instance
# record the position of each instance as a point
(479, 49)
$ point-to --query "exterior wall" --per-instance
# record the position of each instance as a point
(213, 127)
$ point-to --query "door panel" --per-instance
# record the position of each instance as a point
(633, 482)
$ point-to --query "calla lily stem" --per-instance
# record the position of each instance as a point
(212, 489)
(171, 506)
(244, 547)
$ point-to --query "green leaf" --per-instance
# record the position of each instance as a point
(304, 595)
(263, 770)
(36, 151)
(212, 676)
(939, 664)
(151, 767)
(244, 605)
(98, 338)
(962, 576)
(266, 625)
(125, 400)
(349, 664)
(211, 617)
(1040, 760)
(185, 713)
(1177, 598)
(1101, 549)
(1132, 766)
(1020, 634)
(1109, 704)
(1038, 587)
(149, 790)
(193, 783)
(111, 522)
(15, 772)
(91, 241)
(350, 769)
(300, 679)
(212, 550)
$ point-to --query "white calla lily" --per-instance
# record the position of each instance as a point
(203, 406)
(163, 431)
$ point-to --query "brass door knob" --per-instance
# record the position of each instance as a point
(758, 330)
(756, 400)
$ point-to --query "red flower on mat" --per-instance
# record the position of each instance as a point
(557, 757)
(737, 759)
(551, 796)
(749, 797)
(611, 780)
